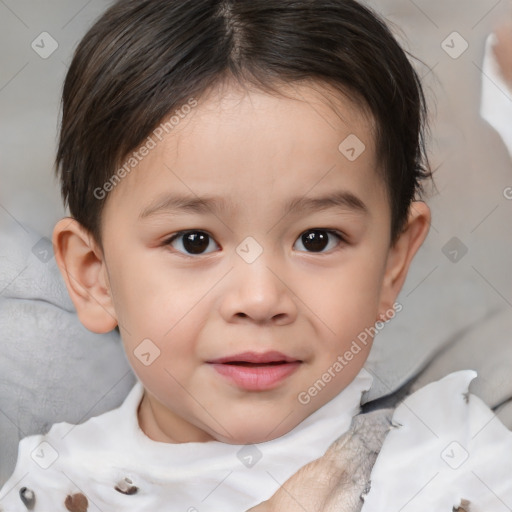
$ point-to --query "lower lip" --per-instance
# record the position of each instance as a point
(256, 378)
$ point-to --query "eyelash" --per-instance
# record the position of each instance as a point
(341, 237)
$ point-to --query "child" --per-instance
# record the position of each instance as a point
(286, 138)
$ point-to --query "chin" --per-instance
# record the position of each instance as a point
(254, 433)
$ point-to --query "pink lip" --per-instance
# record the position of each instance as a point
(256, 372)
(253, 357)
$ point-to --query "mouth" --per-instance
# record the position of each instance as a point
(254, 358)
(253, 365)
(256, 372)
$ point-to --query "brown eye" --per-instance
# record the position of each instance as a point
(316, 240)
(191, 242)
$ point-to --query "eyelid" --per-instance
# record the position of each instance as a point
(336, 232)
(175, 235)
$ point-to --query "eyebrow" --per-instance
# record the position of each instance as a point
(340, 200)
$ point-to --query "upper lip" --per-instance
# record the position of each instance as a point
(255, 357)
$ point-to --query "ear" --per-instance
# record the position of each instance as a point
(401, 254)
(84, 271)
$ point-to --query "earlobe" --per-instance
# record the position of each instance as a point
(83, 268)
(403, 251)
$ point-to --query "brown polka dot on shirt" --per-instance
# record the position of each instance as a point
(76, 502)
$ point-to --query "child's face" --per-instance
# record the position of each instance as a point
(255, 278)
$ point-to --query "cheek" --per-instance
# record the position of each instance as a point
(165, 310)
(146, 296)
(348, 293)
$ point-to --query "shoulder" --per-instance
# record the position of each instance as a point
(53, 467)
(445, 448)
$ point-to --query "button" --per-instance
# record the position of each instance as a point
(126, 486)
(28, 497)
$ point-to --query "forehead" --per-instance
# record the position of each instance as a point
(252, 145)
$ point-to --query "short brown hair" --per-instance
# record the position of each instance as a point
(143, 59)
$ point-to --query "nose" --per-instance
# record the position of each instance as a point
(258, 292)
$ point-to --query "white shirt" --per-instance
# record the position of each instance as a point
(95, 456)
(447, 447)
